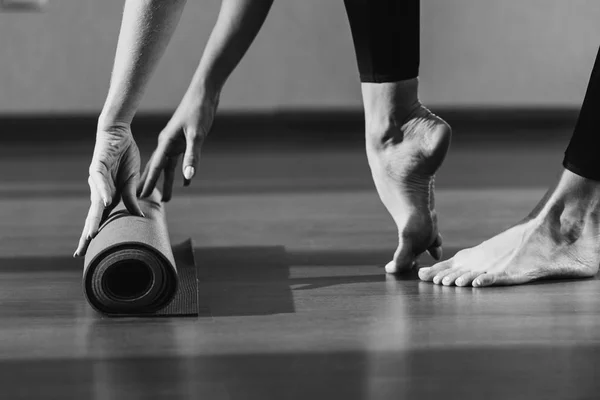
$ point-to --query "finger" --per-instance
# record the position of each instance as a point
(83, 239)
(102, 186)
(83, 242)
(169, 178)
(140, 185)
(95, 213)
(155, 167)
(192, 155)
(92, 221)
(130, 199)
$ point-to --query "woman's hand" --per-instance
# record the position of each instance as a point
(113, 175)
(184, 134)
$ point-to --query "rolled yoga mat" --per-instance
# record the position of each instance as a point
(130, 268)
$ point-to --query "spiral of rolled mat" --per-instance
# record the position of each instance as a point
(130, 268)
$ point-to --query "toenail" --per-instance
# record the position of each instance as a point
(459, 281)
(476, 282)
(446, 280)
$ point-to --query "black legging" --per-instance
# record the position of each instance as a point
(386, 38)
(386, 41)
(583, 154)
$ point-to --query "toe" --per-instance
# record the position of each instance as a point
(404, 259)
(451, 277)
(435, 250)
(391, 267)
(466, 278)
(484, 280)
(427, 274)
(398, 266)
(439, 277)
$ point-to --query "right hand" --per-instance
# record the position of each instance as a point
(184, 134)
(113, 175)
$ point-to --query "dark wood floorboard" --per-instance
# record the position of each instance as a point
(291, 244)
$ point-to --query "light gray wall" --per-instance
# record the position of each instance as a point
(474, 53)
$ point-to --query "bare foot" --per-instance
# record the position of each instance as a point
(558, 240)
(406, 144)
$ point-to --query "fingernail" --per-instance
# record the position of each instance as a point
(189, 171)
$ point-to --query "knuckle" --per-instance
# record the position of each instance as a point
(97, 168)
(195, 136)
(191, 134)
(163, 137)
(95, 202)
(190, 154)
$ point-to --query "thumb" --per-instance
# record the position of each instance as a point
(193, 142)
(130, 200)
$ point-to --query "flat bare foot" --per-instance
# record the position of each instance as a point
(559, 239)
(406, 144)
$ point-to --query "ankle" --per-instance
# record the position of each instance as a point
(572, 207)
(575, 190)
(389, 103)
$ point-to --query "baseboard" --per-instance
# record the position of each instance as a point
(344, 125)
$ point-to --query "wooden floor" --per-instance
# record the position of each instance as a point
(291, 240)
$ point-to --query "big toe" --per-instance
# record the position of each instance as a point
(403, 260)
(427, 274)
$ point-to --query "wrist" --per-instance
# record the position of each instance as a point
(204, 90)
(107, 121)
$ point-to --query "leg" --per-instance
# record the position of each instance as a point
(560, 237)
(405, 142)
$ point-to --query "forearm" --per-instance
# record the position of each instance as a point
(238, 24)
(146, 28)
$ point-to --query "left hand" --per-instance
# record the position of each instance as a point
(184, 134)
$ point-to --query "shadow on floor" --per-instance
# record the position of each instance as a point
(233, 281)
(250, 280)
